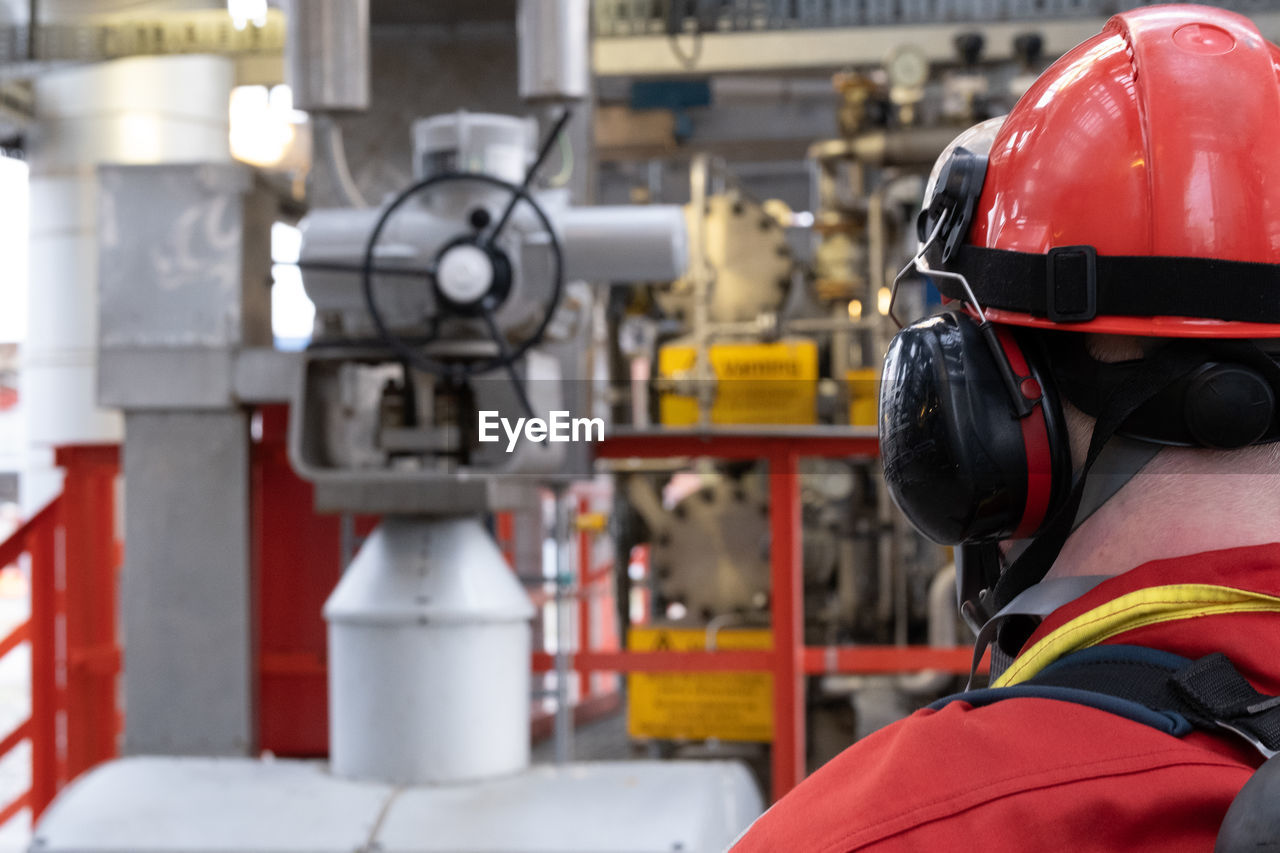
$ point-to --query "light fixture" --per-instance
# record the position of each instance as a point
(263, 125)
(245, 12)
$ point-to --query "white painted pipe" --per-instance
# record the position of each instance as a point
(554, 45)
(429, 644)
(137, 110)
(624, 242)
(327, 54)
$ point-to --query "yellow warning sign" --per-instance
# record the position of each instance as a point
(773, 383)
(699, 705)
(864, 390)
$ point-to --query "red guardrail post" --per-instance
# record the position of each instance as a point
(787, 608)
(42, 546)
(89, 596)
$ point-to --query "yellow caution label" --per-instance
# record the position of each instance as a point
(591, 522)
(773, 383)
(734, 706)
(863, 396)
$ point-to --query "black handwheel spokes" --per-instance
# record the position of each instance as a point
(333, 266)
(504, 352)
(484, 307)
(543, 151)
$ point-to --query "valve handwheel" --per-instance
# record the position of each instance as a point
(471, 277)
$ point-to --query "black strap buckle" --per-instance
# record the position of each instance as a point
(1071, 281)
(1218, 692)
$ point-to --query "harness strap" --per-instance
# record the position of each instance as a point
(1165, 691)
(1214, 689)
(1033, 604)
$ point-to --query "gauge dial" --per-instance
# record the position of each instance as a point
(908, 67)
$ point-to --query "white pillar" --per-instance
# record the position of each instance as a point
(136, 110)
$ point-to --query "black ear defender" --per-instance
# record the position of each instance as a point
(1228, 402)
(964, 459)
(972, 436)
(1227, 406)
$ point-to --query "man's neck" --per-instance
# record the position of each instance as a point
(1174, 509)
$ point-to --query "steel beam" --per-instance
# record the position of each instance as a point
(838, 47)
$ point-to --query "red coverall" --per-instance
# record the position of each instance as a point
(1038, 774)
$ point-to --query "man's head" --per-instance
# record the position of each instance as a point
(1132, 193)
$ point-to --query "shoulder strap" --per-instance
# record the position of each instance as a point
(1165, 691)
(1168, 722)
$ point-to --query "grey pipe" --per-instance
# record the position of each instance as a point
(327, 54)
(942, 632)
(912, 146)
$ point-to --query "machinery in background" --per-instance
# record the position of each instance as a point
(465, 294)
(756, 336)
(458, 305)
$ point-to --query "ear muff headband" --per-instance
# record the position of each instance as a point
(955, 197)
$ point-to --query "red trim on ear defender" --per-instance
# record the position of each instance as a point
(1035, 438)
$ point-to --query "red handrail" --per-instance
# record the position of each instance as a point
(75, 656)
(31, 538)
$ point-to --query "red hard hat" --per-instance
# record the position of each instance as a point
(1157, 138)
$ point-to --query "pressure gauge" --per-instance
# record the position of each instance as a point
(908, 67)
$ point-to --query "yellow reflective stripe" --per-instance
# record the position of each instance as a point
(1135, 610)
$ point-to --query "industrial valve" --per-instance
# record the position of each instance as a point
(471, 275)
(467, 292)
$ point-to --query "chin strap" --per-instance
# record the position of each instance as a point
(1119, 461)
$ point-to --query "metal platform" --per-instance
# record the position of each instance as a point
(201, 805)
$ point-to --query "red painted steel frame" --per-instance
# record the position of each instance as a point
(584, 599)
(75, 653)
(789, 660)
(88, 596)
(297, 562)
(44, 668)
(787, 613)
(816, 660)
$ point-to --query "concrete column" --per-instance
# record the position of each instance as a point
(188, 673)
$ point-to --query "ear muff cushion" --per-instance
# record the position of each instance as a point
(1044, 434)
